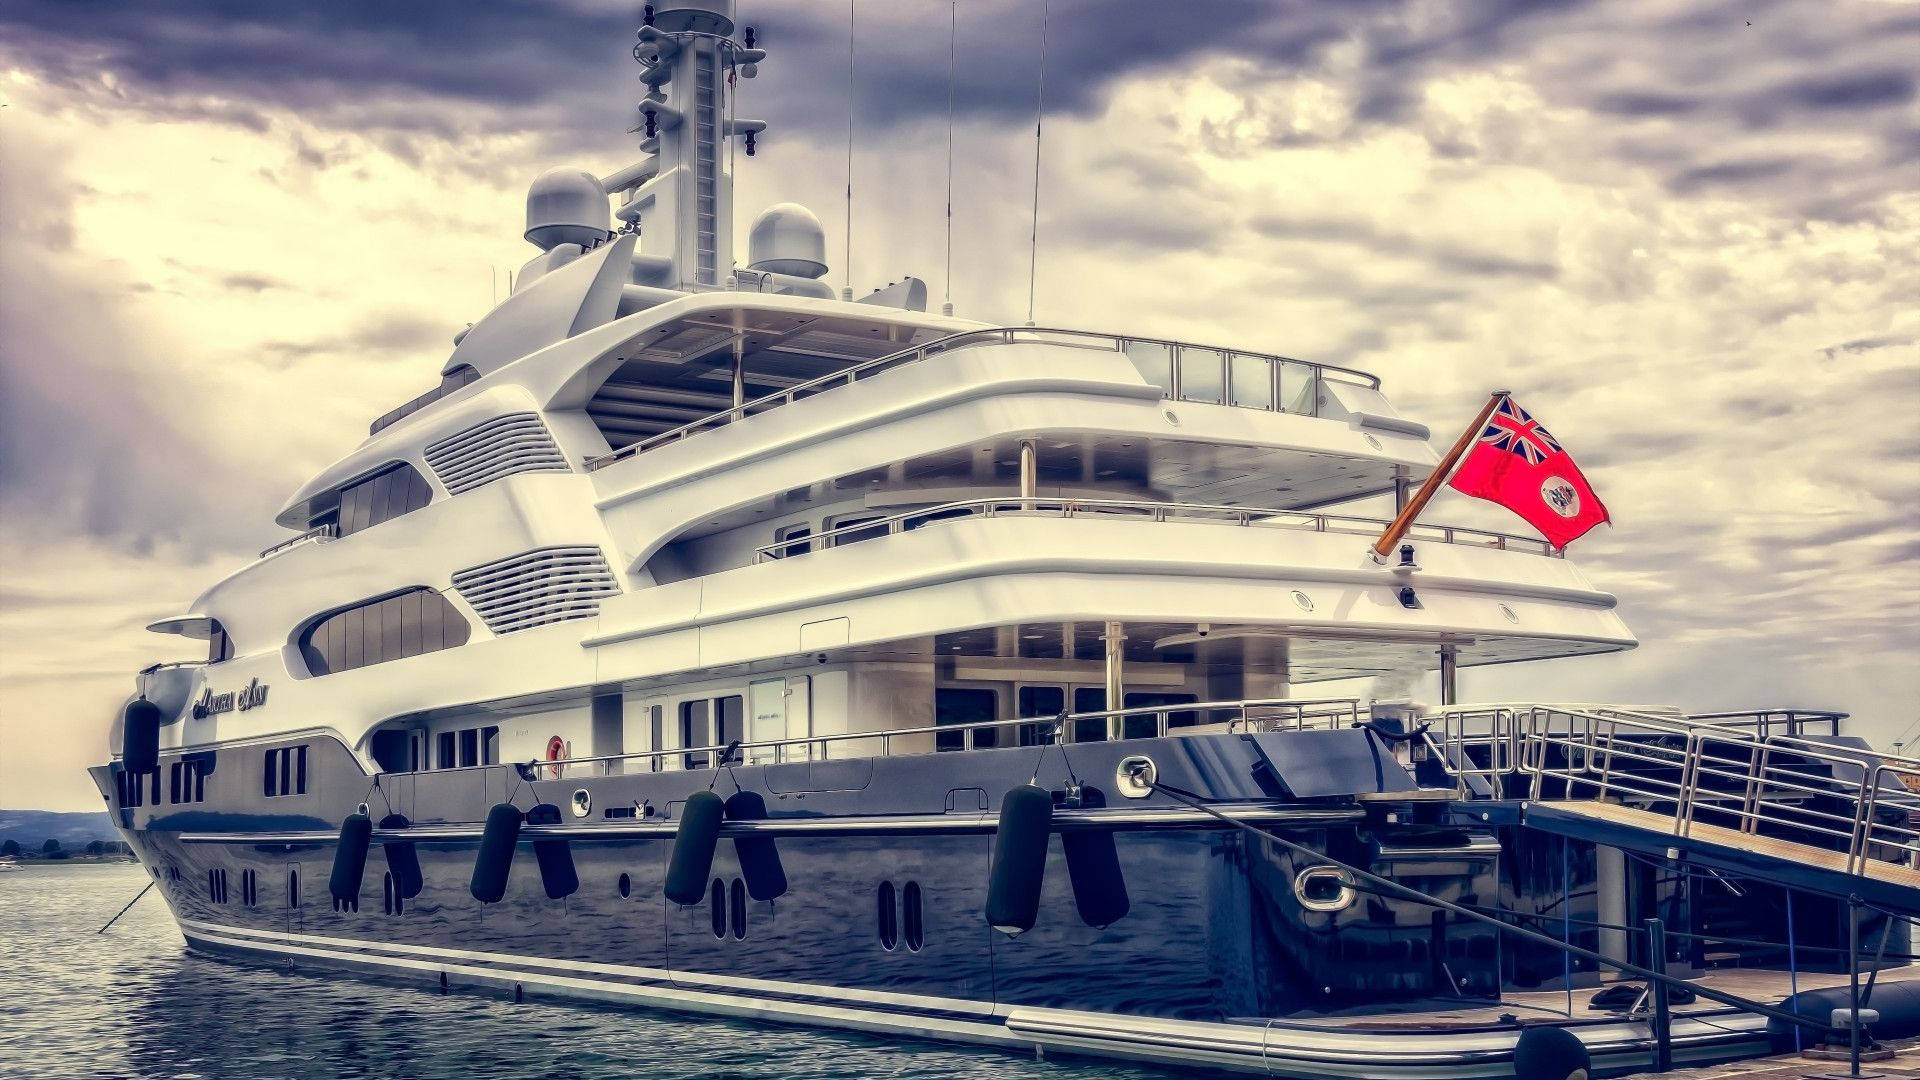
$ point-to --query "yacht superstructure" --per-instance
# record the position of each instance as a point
(671, 528)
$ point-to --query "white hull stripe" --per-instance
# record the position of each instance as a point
(1284, 1049)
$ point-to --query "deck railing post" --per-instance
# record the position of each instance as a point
(1662, 1019)
(1853, 984)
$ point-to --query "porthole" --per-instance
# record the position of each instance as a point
(626, 886)
(390, 899)
(249, 894)
(888, 916)
(293, 888)
(738, 909)
(1302, 600)
(1371, 441)
(717, 908)
(911, 920)
(1509, 614)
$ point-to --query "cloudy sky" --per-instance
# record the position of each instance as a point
(1685, 233)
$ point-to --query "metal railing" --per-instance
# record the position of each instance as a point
(1007, 335)
(1141, 722)
(1141, 510)
(1737, 774)
(329, 531)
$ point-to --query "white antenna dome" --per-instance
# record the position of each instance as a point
(566, 206)
(787, 239)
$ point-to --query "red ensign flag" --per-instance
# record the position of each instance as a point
(1517, 464)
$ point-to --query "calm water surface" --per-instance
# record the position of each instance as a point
(133, 1003)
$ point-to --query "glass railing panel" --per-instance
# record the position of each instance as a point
(1202, 375)
(1154, 361)
(1252, 381)
(1299, 388)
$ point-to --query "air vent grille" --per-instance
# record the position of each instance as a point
(533, 588)
(487, 451)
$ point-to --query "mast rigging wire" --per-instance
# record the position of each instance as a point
(846, 289)
(953, 27)
(1039, 113)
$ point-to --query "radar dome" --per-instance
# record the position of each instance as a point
(787, 239)
(566, 206)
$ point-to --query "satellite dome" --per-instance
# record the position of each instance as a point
(787, 239)
(566, 206)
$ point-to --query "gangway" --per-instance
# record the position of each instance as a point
(1763, 799)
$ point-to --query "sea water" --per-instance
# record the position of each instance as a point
(133, 1002)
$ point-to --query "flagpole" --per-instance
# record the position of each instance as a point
(1404, 520)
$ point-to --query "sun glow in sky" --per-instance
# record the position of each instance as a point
(1686, 234)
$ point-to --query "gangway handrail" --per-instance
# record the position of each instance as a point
(963, 339)
(1771, 793)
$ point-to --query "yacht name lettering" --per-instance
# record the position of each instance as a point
(251, 696)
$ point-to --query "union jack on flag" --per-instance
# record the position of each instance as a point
(1512, 430)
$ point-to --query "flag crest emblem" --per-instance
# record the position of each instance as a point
(1517, 463)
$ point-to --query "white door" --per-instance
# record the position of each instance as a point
(799, 718)
(766, 720)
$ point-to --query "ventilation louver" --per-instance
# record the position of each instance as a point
(491, 449)
(533, 588)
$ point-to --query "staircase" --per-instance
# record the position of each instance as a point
(1762, 799)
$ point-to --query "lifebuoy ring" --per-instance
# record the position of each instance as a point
(556, 751)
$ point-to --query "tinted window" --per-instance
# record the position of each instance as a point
(412, 623)
(382, 497)
(1147, 726)
(219, 645)
(957, 706)
(1090, 699)
(694, 731)
(1040, 701)
(731, 712)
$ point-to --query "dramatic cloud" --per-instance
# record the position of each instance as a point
(1687, 234)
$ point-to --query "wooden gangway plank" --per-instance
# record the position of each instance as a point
(1769, 857)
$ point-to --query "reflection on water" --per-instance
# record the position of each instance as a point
(132, 1003)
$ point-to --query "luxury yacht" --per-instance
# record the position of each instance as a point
(709, 640)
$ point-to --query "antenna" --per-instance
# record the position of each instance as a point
(846, 288)
(1039, 111)
(953, 28)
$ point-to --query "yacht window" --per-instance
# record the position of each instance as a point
(1154, 361)
(293, 888)
(737, 908)
(219, 644)
(911, 918)
(286, 772)
(732, 714)
(854, 534)
(888, 916)
(717, 908)
(794, 537)
(385, 495)
(411, 623)
(656, 732)
(1252, 381)
(955, 705)
(1092, 728)
(695, 731)
(1147, 726)
(467, 747)
(1040, 701)
(1202, 372)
